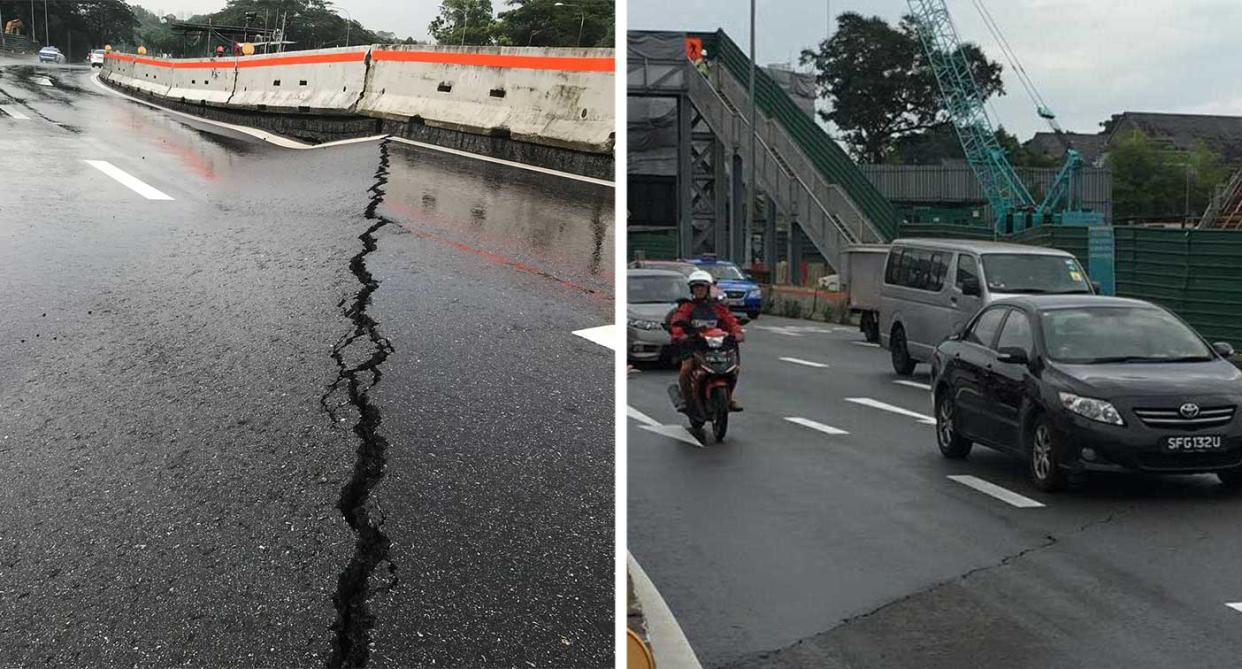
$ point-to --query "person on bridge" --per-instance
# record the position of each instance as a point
(701, 311)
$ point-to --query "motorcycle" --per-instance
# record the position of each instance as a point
(712, 380)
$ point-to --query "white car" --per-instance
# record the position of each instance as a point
(96, 58)
(50, 54)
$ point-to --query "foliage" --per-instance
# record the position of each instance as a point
(468, 22)
(543, 23)
(880, 86)
(74, 27)
(1152, 181)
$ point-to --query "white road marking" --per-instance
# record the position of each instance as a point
(674, 432)
(865, 343)
(668, 642)
(128, 180)
(43, 81)
(8, 109)
(1006, 496)
(604, 335)
(806, 422)
(640, 416)
(1236, 606)
(808, 363)
(793, 330)
(877, 404)
(913, 384)
(532, 168)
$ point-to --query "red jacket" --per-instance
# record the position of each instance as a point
(703, 313)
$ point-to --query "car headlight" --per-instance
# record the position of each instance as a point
(754, 293)
(641, 324)
(1092, 409)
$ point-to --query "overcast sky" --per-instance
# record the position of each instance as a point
(1089, 60)
(403, 17)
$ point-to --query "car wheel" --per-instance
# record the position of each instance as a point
(1045, 457)
(952, 444)
(753, 315)
(903, 364)
(1231, 478)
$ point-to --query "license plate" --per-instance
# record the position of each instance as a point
(737, 301)
(1205, 442)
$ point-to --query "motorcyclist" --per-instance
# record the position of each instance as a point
(700, 312)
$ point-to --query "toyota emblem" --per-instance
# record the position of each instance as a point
(1189, 410)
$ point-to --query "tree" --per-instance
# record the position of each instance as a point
(1152, 181)
(881, 87)
(463, 22)
(543, 23)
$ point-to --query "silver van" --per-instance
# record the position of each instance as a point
(931, 287)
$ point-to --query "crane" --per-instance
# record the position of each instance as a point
(1011, 202)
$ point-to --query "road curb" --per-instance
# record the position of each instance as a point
(668, 642)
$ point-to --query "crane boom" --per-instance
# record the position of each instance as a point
(963, 100)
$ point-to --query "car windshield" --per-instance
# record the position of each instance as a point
(723, 271)
(1098, 335)
(656, 289)
(1034, 273)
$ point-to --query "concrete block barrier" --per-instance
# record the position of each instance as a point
(561, 97)
(325, 80)
(202, 80)
(151, 76)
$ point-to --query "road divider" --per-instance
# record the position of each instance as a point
(128, 180)
(806, 422)
(883, 406)
(993, 490)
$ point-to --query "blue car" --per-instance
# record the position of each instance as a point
(742, 294)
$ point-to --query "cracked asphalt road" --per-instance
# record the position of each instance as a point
(174, 452)
(788, 547)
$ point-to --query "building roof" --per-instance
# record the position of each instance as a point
(1183, 131)
(1092, 147)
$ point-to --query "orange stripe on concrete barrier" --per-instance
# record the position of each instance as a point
(276, 61)
(497, 60)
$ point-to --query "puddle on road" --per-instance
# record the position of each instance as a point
(559, 226)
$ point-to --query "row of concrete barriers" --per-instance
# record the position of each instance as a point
(554, 97)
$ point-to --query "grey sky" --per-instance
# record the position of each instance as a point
(1088, 59)
(403, 17)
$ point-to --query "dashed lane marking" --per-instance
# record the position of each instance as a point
(1007, 496)
(1236, 606)
(604, 335)
(913, 384)
(673, 432)
(805, 363)
(43, 81)
(128, 180)
(877, 404)
(865, 343)
(806, 422)
(8, 109)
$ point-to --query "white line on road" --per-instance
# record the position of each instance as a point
(865, 343)
(674, 432)
(128, 180)
(1236, 606)
(43, 81)
(8, 109)
(912, 384)
(604, 335)
(1007, 496)
(640, 416)
(522, 166)
(808, 363)
(877, 404)
(806, 422)
(668, 642)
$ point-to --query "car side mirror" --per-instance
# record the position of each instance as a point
(971, 287)
(1224, 348)
(1013, 356)
(1097, 287)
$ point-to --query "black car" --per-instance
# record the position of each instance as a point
(1085, 383)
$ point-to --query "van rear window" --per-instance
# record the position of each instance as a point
(917, 268)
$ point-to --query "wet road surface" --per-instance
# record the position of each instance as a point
(843, 543)
(315, 407)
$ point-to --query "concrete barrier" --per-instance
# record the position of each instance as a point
(325, 80)
(562, 97)
(202, 80)
(559, 98)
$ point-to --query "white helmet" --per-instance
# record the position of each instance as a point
(699, 276)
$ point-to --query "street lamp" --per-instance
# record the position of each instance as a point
(581, 22)
(348, 25)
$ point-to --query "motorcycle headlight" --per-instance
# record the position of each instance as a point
(715, 342)
(641, 324)
(1092, 409)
